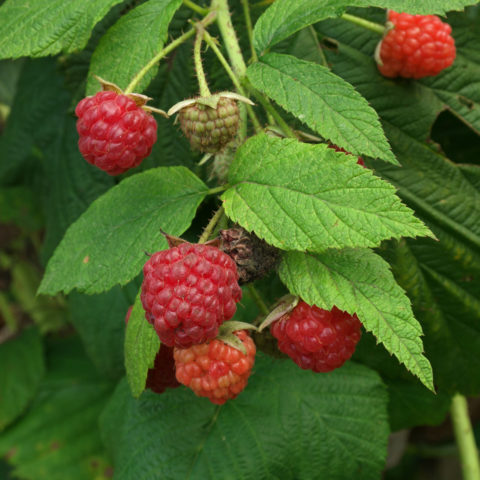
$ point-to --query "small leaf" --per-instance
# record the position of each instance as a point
(268, 432)
(110, 60)
(39, 28)
(107, 244)
(325, 102)
(22, 369)
(141, 346)
(359, 281)
(312, 197)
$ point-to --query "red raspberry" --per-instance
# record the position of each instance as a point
(188, 292)
(115, 133)
(418, 46)
(162, 375)
(340, 149)
(215, 369)
(316, 339)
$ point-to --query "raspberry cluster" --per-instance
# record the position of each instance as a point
(115, 133)
(317, 339)
(417, 46)
(188, 291)
(214, 369)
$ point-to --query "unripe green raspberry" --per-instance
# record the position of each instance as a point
(210, 129)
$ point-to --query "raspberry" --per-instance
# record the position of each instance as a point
(340, 149)
(115, 133)
(188, 291)
(316, 339)
(162, 375)
(417, 46)
(215, 369)
(210, 129)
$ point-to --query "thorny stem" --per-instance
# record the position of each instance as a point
(248, 21)
(163, 53)
(465, 438)
(211, 226)
(258, 299)
(374, 27)
(211, 43)
(197, 58)
(319, 47)
(196, 8)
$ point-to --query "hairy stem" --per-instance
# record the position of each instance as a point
(465, 438)
(211, 226)
(248, 22)
(196, 8)
(211, 43)
(197, 58)
(374, 27)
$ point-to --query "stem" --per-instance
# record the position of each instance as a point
(465, 439)
(319, 47)
(229, 36)
(211, 43)
(219, 189)
(197, 58)
(258, 299)
(211, 226)
(374, 27)
(7, 313)
(196, 8)
(248, 21)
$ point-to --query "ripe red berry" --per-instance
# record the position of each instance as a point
(417, 46)
(214, 369)
(162, 375)
(115, 133)
(340, 149)
(317, 339)
(188, 292)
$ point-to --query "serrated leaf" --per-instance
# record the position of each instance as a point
(312, 197)
(23, 367)
(324, 101)
(287, 424)
(358, 281)
(39, 28)
(107, 244)
(59, 438)
(285, 17)
(141, 346)
(109, 60)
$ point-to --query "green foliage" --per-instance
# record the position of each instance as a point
(265, 433)
(325, 102)
(300, 209)
(109, 60)
(107, 244)
(23, 367)
(58, 26)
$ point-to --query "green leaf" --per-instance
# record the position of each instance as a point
(313, 198)
(107, 244)
(19, 205)
(141, 346)
(287, 424)
(23, 367)
(324, 101)
(39, 28)
(110, 60)
(358, 281)
(100, 321)
(284, 18)
(59, 437)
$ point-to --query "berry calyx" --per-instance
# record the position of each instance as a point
(417, 46)
(317, 339)
(214, 369)
(116, 130)
(210, 123)
(188, 291)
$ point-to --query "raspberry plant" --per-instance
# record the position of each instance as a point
(314, 182)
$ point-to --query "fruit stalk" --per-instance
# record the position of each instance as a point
(372, 26)
(248, 23)
(211, 226)
(197, 58)
(465, 438)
